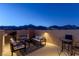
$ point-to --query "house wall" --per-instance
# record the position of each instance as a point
(52, 36)
(21, 32)
(1, 42)
(55, 36)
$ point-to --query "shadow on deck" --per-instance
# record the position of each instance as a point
(31, 49)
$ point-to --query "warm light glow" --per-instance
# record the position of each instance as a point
(50, 45)
(48, 37)
(4, 38)
(45, 34)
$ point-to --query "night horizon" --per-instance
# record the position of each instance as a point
(39, 14)
(39, 28)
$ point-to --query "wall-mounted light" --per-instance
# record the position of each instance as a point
(49, 39)
(45, 34)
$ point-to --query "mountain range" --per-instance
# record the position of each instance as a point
(65, 27)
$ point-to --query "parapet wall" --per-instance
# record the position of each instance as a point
(55, 36)
(52, 36)
(1, 41)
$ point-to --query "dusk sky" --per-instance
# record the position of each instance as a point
(39, 14)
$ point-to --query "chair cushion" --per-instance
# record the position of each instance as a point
(36, 39)
(18, 47)
(67, 40)
(13, 42)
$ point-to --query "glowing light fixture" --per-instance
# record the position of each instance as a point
(48, 37)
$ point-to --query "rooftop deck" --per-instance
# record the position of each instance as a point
(48, 50)
(52, 47)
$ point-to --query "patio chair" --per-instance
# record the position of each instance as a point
(67, 44)
(39, 40)
(13, 34)
(76, 49)
(23, 39)
(16, 46)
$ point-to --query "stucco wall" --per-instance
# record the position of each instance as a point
(52, 36)
(1, 42)
(55, 36)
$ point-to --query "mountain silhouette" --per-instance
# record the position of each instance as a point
(30, 26)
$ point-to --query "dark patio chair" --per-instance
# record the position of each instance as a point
(67, 44)
(16, 46)
(76, 49)
(39, 41)
(23, 39)
(13, 34)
